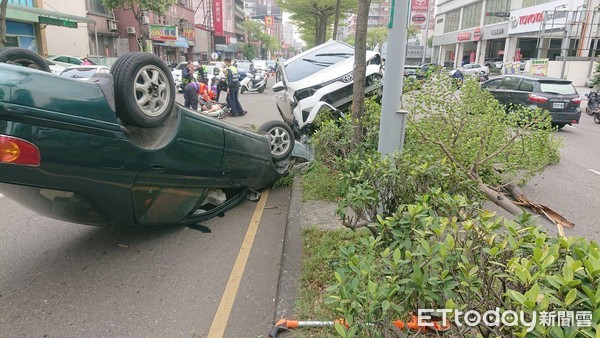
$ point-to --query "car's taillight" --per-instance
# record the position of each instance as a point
(576, 101)
(17, 151)
(537, 98)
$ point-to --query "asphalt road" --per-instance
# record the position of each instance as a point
(571, 187)
(66, 280)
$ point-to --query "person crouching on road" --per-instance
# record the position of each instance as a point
(191, 92)
(233, 87)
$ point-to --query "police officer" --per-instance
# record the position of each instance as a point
(233, 87)
(202, 72)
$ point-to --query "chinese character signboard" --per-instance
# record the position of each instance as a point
(419, 5)
(539, 67)
(163, 33)
(189, 34)
(218, 17)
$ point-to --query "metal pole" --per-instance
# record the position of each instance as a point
(593, 51)
(542, 32)
(426, 31)
(393, 122)
(97, 49)
(567, 41)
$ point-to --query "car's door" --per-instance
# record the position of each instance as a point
(284, 96)
(176, 178)
(521, 96)
(506, 92)
(492, 87)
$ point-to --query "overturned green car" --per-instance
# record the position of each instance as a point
(117, 150)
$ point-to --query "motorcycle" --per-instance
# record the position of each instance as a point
(593, 106)
(256, 82)
(483, 77)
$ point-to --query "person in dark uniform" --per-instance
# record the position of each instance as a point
(233, 88)
(190, 94)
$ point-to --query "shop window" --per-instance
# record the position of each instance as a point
(26, 3)
(529, 3)
(12, 41)
(496, 6)
(472, 15)
(96, 7)
(452, 21)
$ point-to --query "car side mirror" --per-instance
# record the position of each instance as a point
(279, 86)
(216, 71)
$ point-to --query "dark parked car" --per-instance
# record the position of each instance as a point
(557, 96)
(117, 150)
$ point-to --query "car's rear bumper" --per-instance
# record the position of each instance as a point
(566, 117)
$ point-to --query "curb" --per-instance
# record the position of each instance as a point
(291, 257)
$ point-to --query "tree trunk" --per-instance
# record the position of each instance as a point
(336, 22)
(322, 24)
(3, 4)
(360, 67)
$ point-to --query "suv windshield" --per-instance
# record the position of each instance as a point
(557, 88)
(317, 60)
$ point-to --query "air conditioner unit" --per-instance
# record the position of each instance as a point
(145, 19)
(130, 30)
(112, 25)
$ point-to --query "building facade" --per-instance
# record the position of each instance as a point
(27, 22)
(172, 35)
(510, 30)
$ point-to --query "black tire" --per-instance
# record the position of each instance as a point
(139, 75)
(559, 126)
(281, 137)
(242, 90)
(597, 118)
(261, 89)
(23, 57)
(589, 111)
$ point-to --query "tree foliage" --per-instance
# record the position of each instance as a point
(314, 17)
(256, 34)
(379, 35)
(3, 5)
(138, 8)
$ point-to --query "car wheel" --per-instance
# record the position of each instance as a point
(242, 90)
(23, 57)
(144, 89)
(597, 118)
(281, 139)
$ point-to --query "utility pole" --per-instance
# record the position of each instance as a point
(336, 22)
(426, 32)
(393, 121)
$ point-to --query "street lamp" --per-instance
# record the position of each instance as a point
(563, 6)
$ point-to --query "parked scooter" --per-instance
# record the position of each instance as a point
(256, 82)
(593, 106)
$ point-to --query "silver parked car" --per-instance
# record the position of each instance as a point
(474, 69)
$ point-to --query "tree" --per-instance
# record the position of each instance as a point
(314, 17)
(249, 51)
(472, 131)
(255, 33)
(3, 4)
(379, 35)
(360, 67)
(139, 8)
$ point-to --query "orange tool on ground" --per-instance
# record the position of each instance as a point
(413, 325)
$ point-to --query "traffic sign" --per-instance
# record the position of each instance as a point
(499, 14)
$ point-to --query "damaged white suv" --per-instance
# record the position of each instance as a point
(320, 77)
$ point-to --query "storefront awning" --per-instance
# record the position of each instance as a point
(181, 42)
(33, 14)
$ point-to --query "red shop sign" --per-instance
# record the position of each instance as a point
(477, 34)
(464, 36)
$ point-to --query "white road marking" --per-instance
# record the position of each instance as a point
(594, 171)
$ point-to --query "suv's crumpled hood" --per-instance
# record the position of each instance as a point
(328, 74)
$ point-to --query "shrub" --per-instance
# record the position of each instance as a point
(444, 252)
